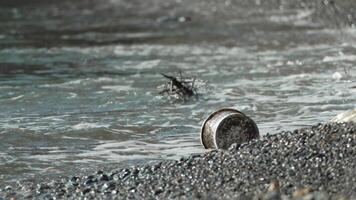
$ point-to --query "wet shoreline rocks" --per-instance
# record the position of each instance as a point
(316, 162)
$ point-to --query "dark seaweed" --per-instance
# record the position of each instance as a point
(179, 87)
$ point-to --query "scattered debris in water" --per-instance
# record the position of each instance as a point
(180, 87)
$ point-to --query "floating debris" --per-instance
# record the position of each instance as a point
(180, 87)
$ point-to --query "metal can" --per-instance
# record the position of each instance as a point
(225, 127)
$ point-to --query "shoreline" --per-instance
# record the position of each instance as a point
(317, 161)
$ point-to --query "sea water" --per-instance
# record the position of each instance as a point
(80, 83)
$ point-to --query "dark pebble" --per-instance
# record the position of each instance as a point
(89, 182)
(86, 190)
(124, 173)
(104, 177)
(8, 188)
(109, 186)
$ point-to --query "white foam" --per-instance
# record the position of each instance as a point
(120, 151)
(10, 126)
(17, 97)
(86, 125)
(105, 79)
(117, 88)
(72, 95)
(340, 57)
(337, 76)
(49, 157)
(297, 18)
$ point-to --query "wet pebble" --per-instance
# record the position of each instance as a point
(124, 173)
(104, 177)
(74, 181)
(109, 186)
(8, 188)
(86, 190)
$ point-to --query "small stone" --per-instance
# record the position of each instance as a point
(8, 188)
(272, 196)
(234, 147)
(108, 186)
(104, 177)
(314, 196)
(274, 187)
(90, 182)
(158, 191)
(85, 191)
(302, 192)
(124, 173)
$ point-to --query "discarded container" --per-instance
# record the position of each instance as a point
(226, 127)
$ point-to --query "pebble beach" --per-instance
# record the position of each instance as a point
(315, 162)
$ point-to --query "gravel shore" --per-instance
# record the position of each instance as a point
(310, 163)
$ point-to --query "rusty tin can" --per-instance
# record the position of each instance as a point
(225, 127)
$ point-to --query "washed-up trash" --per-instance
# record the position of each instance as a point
(348, 116)
(226, 127)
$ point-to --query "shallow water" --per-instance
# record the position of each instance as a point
(80, 93)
